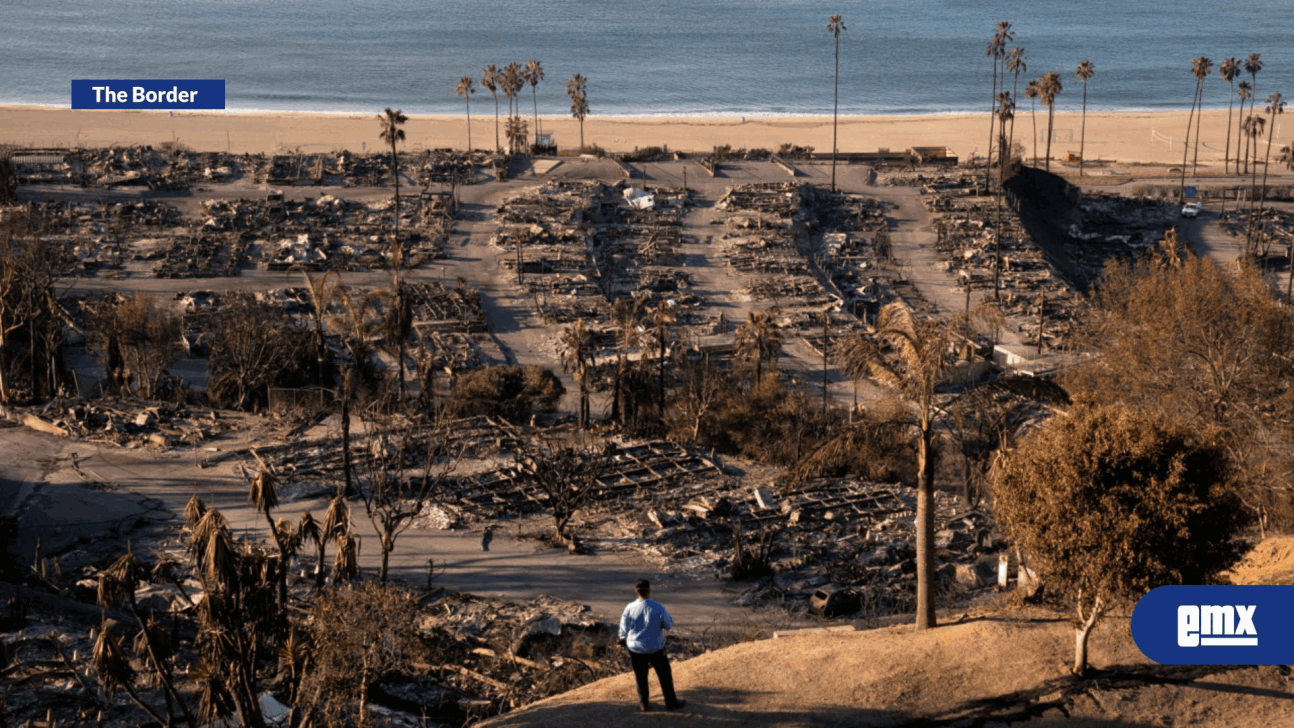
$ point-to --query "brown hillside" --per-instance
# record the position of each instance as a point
(999, 669)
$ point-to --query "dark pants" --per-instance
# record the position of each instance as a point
(660, 663)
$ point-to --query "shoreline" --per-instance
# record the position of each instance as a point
(1123, 136)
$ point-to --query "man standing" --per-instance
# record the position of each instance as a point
(642, 630)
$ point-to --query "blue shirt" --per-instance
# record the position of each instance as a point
(642, 626)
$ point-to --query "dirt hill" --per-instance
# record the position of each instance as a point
(1004, 668)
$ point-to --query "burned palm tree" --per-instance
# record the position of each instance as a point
(464, 90)
(758, 340)
(835, 26)
(576, 353)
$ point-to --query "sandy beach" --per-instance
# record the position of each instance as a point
(1153, 137)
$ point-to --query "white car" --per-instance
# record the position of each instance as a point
(1192, 209)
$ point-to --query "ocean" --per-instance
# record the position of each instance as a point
(651, 57)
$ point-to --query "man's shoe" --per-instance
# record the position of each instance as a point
(676, 706)
(644, 708)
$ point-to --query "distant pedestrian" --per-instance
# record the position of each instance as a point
(487, 537)
(642, 631)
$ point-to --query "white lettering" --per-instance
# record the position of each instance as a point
(137, 95)
(98, 90)
(1246, 614)
(1217, 620)
(1188, 626)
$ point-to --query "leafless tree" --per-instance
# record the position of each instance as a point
(568, 476)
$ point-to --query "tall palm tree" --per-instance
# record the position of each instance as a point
(392, 133)
(1085, 71)
(1275, 107)
(576, 354)
(490, 82)
(1253, 64)
(465, 91)
(391, 121)
(1048, 89)
(1229, 70)
(835, 26)
(1006, 112)
(1032, 91)
(919, 359)
(512, 84)
(758, 340)
(1199, 117)
(1016, 65)
(577, 89)
(996, 50)
(1245, 92)
(1200, 68)
(1253, 126)
(533, 74)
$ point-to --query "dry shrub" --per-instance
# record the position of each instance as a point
(360, 636)
(510, 392)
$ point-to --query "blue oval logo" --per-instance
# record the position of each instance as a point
(1216, 625)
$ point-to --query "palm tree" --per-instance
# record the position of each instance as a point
(391, 122)
(835, 26)
(310, 529)
(1229, 70)
(576, 354)
(1244, 91)
(1016, 65)
(512, 84)
(1085, 71)
(577, 89)
(1199, 117)
(1006, 112)
(1032, 91)
(1275, 106)
(1200, 68)
(1048, 90)
(490, 82)
(1253, 64)
(758, 340)
(400, 314)
(919, 360)
(533, 74)
(997, 51)
(1253, 126)
(465, 91)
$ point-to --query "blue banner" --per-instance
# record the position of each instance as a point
(172, 94)
(1216, 625)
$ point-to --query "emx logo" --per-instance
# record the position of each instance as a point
(1215, 625)
(1210, 625)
